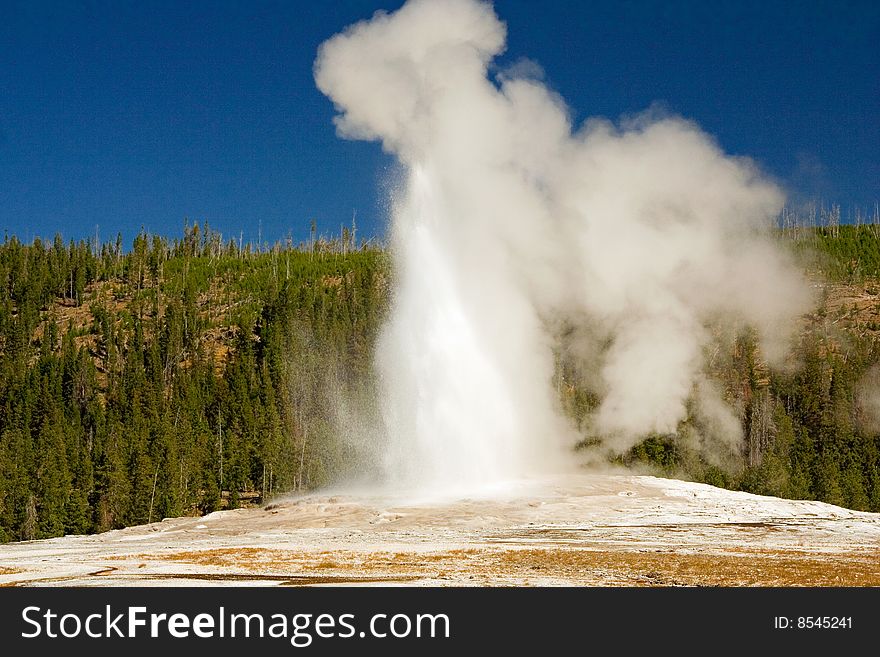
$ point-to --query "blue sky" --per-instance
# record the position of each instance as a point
(125, 115)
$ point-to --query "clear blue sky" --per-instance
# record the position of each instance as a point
(130, 114)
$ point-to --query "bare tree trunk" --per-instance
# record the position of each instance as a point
(153, 494)
(302, 457)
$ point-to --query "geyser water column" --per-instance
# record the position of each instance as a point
(462, 362)
(464, 392)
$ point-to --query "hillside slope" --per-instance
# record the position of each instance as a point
(191, 375)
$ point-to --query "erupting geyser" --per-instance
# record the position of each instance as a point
(513, 229)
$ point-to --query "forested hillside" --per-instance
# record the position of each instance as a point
(183, 376)
(139, 385)
(812, 428)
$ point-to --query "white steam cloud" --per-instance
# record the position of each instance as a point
(514, 227)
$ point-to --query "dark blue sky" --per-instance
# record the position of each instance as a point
(142, 114)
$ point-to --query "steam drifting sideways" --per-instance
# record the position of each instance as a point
(519, 239)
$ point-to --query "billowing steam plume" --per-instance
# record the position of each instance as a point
(514, 229)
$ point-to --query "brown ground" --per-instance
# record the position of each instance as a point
(526, 566)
